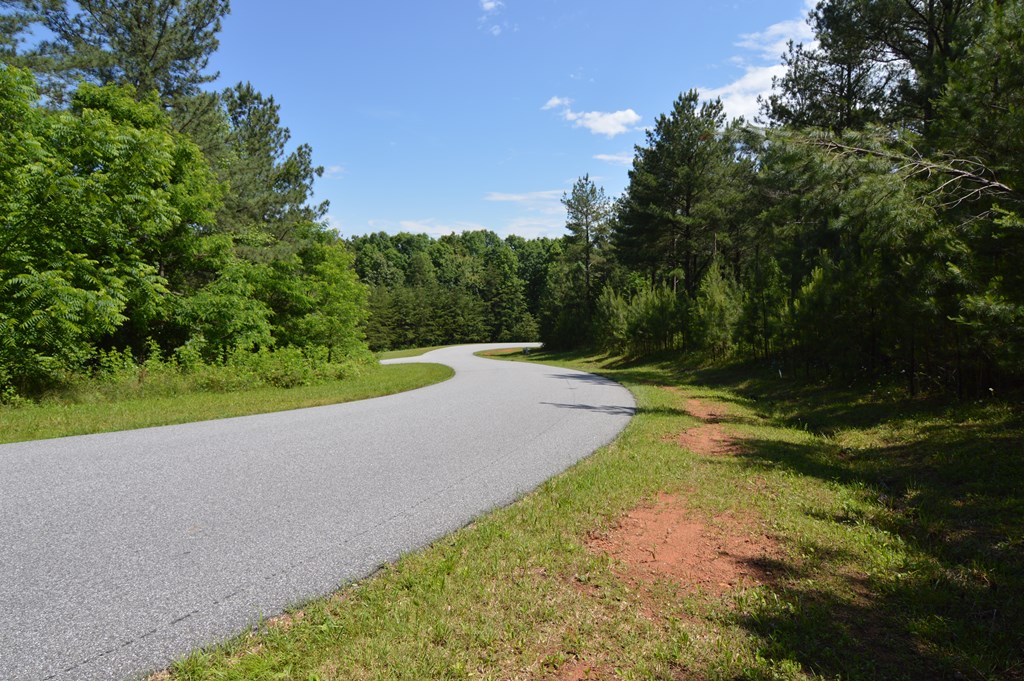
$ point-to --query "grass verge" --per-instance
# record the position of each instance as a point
(410, 352)
(47, 420)
(896, 529)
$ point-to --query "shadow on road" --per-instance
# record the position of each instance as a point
(584, 378)
(600, 408)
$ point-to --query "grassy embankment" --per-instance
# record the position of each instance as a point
(884, 539)
(410, 352)
(104, 411)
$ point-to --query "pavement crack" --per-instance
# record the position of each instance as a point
(184, 617)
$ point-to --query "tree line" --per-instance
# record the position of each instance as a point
(142, 213)
(868, 224)
(871, 225)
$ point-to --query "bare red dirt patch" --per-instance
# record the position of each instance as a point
(706, 411)
(665, 541)
(709, 439)
(582, 671)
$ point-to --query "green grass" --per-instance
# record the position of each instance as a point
(50, 419)
(899, 536)
(410, 352)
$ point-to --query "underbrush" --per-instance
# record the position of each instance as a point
(117, 375)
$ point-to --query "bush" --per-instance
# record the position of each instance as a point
(118, 375)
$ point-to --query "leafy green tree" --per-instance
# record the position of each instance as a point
(982, 107)
(100, 209)
(762, 324)
(17, 17)
(533, 256)
(612, 321)
(837, 86)
(656, 321)
(337, 305)
(225, 315)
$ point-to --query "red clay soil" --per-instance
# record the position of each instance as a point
(665, 541)
(709, 439)
(582, 671)
(706, 411)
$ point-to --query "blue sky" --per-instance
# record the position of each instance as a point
(449, 115)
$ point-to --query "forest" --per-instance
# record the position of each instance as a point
(868, 224)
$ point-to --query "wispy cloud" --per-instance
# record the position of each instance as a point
(557, 103)
(437, 228)
(760, 62)
(334, 171)
(537, 213)
(623, 159)
(430, 226)
(770, 43)
(548, 201)
(533, 227)
(491, 20)
(608, 123)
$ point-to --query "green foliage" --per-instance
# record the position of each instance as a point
(162, 46)
(337, 305)
(675, 211)
(461, 288)
(716, 313)
(100, 202)
(224, 313)
(612, 322)
(652, 320)
(111, 238)
(578, 269)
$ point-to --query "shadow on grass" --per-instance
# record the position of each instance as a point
(944, 479)
(953, 496)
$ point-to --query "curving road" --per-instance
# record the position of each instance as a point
(120, 552)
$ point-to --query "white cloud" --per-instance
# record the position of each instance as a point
(540, 213)
(740, 96)
(605, 123)
(334, 223)
(556, 103)
(761, 63)
(436, 228)
(771, 42)
(623, 159)
(533, 227)
(334, 171)
(490, 20)
(429, 226)
(548, 201)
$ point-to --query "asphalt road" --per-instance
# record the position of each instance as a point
(120, 552)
